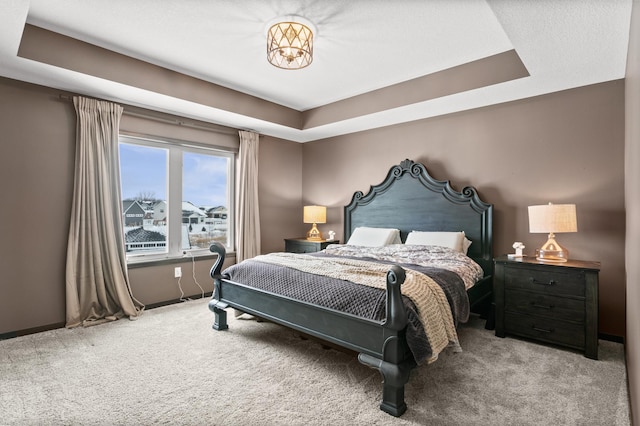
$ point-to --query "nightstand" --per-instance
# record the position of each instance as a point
(550, 302)
(302, 245)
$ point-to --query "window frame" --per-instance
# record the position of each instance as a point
(175, 149)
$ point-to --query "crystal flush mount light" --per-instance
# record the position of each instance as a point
(290, 44)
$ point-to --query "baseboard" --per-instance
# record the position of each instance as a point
(611, 338)
(14, 334)
(26, 331)
(173, 301)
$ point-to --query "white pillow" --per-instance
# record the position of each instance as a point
(374, 237)
(466, 243)
(454, 240)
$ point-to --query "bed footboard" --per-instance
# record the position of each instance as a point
(397, 362)
(395, 376)
(381, 345)
(215, 305)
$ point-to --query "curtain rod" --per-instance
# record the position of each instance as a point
(164, 120)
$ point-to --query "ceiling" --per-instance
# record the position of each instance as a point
(360, 47)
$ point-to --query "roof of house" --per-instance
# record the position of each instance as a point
(128, 204)
(141, 235)
(192, 208)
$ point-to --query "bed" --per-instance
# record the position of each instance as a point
(410, 201)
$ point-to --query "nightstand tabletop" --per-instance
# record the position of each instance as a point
(304, 240)
(531, 260)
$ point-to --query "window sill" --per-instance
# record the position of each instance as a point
(143, 263)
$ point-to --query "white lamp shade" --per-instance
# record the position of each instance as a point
(315, 214)
(553, 218)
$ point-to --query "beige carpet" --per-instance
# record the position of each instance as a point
(171, 368)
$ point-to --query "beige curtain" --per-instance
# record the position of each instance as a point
(248, 211)
(97, 283)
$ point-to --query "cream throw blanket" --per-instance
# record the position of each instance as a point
(431, 302)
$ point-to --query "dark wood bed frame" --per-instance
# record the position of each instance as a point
(408, 199)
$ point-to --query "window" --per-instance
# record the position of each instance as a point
(176, 197)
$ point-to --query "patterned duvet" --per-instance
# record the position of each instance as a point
(453, 272)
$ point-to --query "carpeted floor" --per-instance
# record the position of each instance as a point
(170, 368)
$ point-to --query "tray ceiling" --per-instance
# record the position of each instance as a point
(376, 63)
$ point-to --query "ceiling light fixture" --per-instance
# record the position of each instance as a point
(290, 45)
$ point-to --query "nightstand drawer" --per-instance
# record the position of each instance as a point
(295, 247)
(302, 245)
(548, 330)
(556, 307)
(547, 281)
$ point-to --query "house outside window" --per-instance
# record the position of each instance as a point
(176, 197)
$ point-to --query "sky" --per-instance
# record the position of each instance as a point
(143, 169)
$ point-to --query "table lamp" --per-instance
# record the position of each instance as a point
(315, 215)
(552, 219)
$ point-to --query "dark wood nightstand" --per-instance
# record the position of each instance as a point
(551, 302)
(302, 245)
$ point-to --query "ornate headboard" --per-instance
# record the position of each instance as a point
(410, 199)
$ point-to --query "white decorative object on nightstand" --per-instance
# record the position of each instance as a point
(519, 247)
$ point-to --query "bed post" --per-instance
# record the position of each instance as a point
(397, 361)
(215, 305)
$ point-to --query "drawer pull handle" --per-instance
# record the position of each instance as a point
(543, 330)
(536, 305)
(534, 281)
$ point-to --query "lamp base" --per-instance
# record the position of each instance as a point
(551, 251)
(551, 256)
(314, 234)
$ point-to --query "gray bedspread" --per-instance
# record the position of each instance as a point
(356, 299)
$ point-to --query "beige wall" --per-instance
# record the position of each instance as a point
(61, 51)
(36, 186)
(632, 179)
(565, 147)
(506, 151)
(280, 187)
(36, 183)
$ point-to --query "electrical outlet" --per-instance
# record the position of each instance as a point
(178, 271)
